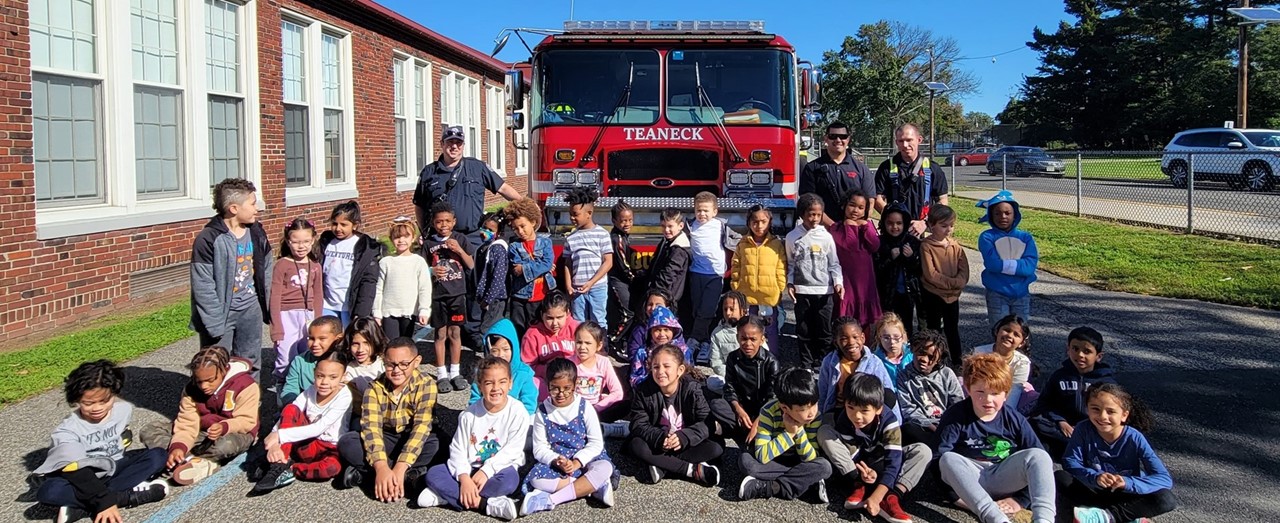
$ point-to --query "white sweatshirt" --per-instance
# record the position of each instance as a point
(328, 421)
(490, 440)
(404, 287)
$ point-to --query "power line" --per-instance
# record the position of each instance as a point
(1014, 50)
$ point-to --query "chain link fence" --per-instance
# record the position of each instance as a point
(1227, 193)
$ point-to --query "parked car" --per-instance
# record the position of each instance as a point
(1023, 161)
(1241, 158)
(974, 156)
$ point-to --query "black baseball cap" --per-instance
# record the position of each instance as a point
(454, 132)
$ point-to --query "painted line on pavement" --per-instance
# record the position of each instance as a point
(172, 511)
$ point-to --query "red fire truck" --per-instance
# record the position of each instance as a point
(656, 112)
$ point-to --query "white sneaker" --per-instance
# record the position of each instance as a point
(822, 492)
(605, 494)
(428, 498)
(501, 507)
(63, 516)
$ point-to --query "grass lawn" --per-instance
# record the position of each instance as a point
(27, 372)
(1116, 168)
(1133, 259)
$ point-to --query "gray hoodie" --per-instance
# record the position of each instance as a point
(90, 445)
(812, 264)
(924, 397)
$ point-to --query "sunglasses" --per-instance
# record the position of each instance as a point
(837, 137)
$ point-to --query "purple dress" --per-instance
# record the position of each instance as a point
(855, 247)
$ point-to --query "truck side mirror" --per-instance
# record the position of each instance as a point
(515, 121)
(513, 90)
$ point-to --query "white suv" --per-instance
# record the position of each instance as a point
(1241, 158)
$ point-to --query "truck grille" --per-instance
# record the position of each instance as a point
(678, 191)
(677, 164)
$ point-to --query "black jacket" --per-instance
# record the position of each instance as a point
(670, 266)
(364, 273)
(622, 251)
(888, 268)
(1063, 395)
(647, 403)
(749, 381)
(824, 177)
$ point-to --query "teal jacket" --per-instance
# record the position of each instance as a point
(522, 387)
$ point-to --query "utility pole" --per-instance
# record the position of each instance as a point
(1242, 83)
(933, 145)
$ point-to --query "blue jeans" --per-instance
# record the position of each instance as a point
(999, 306)
(345, 316)
(593, 305)
(131, 469)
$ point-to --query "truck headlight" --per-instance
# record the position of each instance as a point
(739, 177)
(762, 178)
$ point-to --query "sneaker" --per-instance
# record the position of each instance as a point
(752, 488)
(1091, 515)
(277, 475)
(428, 498)
(63, 515)
(703, 357)
(536, 502)
(855, 499)
(351, 477)
(193, 471)
(710, 474)
(891, 510)
(259, 471)
(655, 474)
(501, 507)
(444, 386)
(617, 429)
(146, 492)
(822, 492)
(605, 493)
(460, 383)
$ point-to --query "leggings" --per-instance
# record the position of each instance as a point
(441, 481)
(397, 326)
(679, 462)
(1122, 506)
(598, 473)
(938, 314)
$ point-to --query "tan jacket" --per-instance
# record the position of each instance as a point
(234, 405)
(944, 268)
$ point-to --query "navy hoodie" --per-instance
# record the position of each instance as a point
(961, 431)
(1063, 396)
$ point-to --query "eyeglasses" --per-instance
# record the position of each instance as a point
(453, 143)
(891, 337)
(560, 391)
(404, 365)
(837, 137)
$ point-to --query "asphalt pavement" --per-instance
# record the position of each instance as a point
(1206, 370)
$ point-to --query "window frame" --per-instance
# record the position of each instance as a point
(495, 128)
(412, 78)
(459, 91)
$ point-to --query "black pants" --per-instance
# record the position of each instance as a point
(905, 307)
(1051, 436)
(398, 326)
(523, 313)
(1123, 506)
(676, 463)
(813, 327)
(938, 314)
(912, 433)
(791, 475)
(704, 294)
(351, 451)
(620, 306)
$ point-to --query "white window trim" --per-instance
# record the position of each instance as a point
(320, 190)
(495, 126)
(474, 92)
(520, 137)
(408, 77)
(121, 207)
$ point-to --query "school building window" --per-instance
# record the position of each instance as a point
(495, 127)
(412, 113)
(106, 78)
(316, 92)
(460, 105)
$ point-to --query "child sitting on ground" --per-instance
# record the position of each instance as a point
(402, 300)
(927, 388)
(217, 417)
(750, 374)
(1013, 344)
(598, 382)
(486, 451)
(892, 346)
(451, 256)
(988, 450)
(782, 460)
(1110, 473)
(1062, 404)
(863, 440)
(304, 443)
(501, 342)
(638, 334)
(550, 338)
(848, 357)
(669, 421)
(87, 467)
(568, 446)
(324, 335)
(663, 329)
(724, 339)
(365, 345)
(1009, 259)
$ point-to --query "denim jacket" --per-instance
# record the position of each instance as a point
(538, 263)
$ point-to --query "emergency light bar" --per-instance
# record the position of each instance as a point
(664, 26)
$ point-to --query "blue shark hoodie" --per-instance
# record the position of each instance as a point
(1011, 277)
(522, 387)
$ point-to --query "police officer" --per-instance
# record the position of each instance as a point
(835, 173)
(462, 181)
(910, 180)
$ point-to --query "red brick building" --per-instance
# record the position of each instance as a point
(117, 116)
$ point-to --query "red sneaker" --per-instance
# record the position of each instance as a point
(855, 499)
(891, 511)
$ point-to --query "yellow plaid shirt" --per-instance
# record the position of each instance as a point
(381, 412)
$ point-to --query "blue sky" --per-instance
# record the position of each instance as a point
(994, 27)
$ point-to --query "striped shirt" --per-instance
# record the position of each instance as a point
(773, 441)
(411, 412)
(587, 248)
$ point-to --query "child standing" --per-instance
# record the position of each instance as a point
(304, 443)
(1009, 259)
(849, 356)
(898, 266)
(663, 329)
(486, 450)
(708, 241)
(299, 296)
(1062, 405)
(87, 467)
(450, 254)
(350, 260)
(669, 266)
(783, 460)
(988, 451)
(550, 338)
(760, 271)
(217, 417)
(945, 273)
(749, 377)
(323, 336)
(863, 440)
(402, 300)
(927, 388)
(365, 345)
(891, 346)
(494, 260)
(621, 274)
(813, 276)
(568, 446)
(230, 273)
(597, 382)
(590, 252)
(1110, 473)
(1013, 344)
(501, 342)
(531, 262)
(856, 241)
(669, 422)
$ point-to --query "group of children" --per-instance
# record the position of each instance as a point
(872, 415)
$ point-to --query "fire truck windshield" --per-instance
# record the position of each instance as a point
(581, 86)
(745, 87)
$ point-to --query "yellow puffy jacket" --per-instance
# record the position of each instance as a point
(760, 270)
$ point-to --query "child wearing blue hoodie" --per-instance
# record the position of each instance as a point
(1062, 403)
(1009, 259)
(663, 328)
(501, 342)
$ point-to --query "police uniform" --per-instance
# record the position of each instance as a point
(463, 186)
